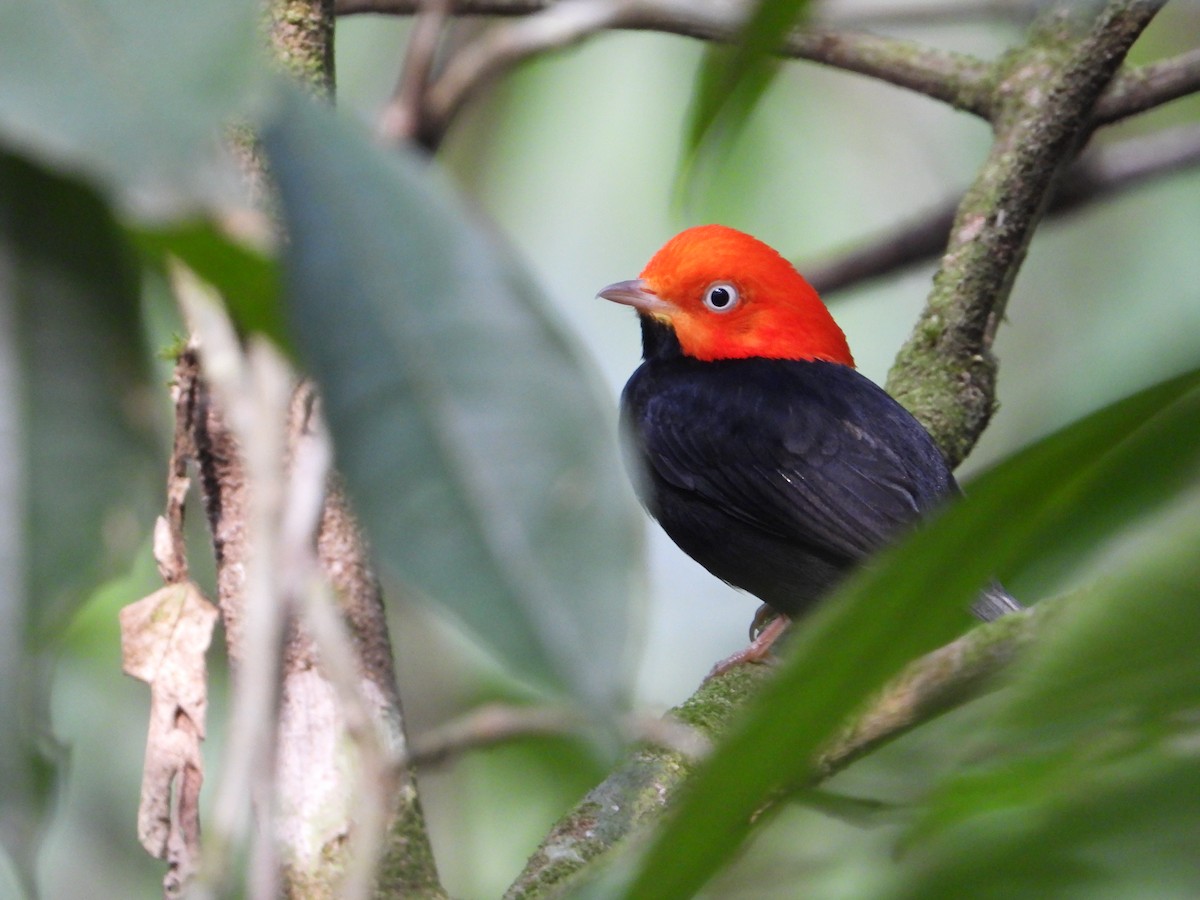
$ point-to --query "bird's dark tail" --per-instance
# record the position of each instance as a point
(994, 601)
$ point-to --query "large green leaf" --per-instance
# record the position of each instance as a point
(1092, 776)
(466, 424)
(88, 413)
(76, 456)
(1114, 825)
(1141, 450)
(135, 95)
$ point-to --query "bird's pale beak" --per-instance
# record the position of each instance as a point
(636, 293)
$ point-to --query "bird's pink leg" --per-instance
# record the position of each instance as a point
(759, 649)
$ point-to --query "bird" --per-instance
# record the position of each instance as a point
(753, 440)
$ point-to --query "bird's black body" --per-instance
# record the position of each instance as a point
(778, 476)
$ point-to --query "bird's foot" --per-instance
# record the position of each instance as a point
(759, 649)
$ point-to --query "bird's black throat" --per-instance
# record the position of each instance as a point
(659, 340)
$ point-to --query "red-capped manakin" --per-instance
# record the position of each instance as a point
(756, 444)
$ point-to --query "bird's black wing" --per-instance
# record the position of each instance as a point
(811, 453)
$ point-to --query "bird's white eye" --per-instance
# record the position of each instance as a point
(721, 297)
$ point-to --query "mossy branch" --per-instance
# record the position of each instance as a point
(301, 35)
(1045, 91)
(1146, 87)
(640, 789)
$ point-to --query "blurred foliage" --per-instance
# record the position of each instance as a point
(243, 274)
(734, 77)
(73, 288)
(132, 96)
(453, 391)
(80, 462)
(467, 427)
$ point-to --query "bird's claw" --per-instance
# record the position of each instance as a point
(759, 650)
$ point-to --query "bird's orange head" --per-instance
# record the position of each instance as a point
(728, 295)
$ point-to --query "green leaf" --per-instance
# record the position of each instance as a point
(1112, 825)
(1127, 655)
(470, 431)
(1091, 776)
(134, 95)
(246, 279)
(732, 79)
(1142, 449)
(76, 451)
(88, 414)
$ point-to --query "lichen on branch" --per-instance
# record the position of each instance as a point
(1045, 91)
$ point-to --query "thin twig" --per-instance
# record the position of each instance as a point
(1128, 163)
(403, 118)
(502, 723)
(935, 13)
(464, 7)
(918, 240)
(492, 724)
(958, 79)
(1102, 172)
(501, 48)
(1146, 87)
(170, 548)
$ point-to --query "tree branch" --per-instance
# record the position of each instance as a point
(499, 8)
(405, 116)
(492, 724)
(301, 35)
(1145, 87)
(939, 13)
(945, 373)
(502, 48)
(1100, 173)
(316, 709)
(636, 793)
(960, 80)
(943, 680)
(502, 723)
(339, 813)
(918, 240)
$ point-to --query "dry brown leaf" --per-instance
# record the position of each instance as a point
(163, 641)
